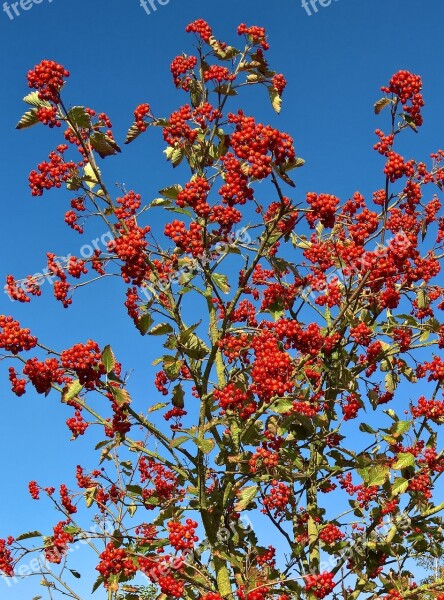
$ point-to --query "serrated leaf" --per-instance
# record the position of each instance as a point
(205, 445)
(28, 535)
(34, 100)
(399, 486)
(381, 104)
(144, 323)
(171, 192)
(399, 428)
(246, 496)
(80, 117)
(103, 144)
(108, 359)
(121, 396)
(422, 299)
(133, 133)
(404, 460)
(28, 120)
(275, 98)
(378, 475)
(72, 390)
(176, 442)
(160, 202)
(366, 428)
(161, 329)
(157, 406)
(90, 177)
(221, 282)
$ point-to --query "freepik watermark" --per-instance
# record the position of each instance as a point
(151, 6)
(311, 6)
(15, 9)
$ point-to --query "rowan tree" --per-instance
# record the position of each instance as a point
(300, 381)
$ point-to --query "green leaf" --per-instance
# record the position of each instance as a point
(34, 100)
(28, 120)
(72, 390)
(381, 104)
(144, 323)
(99, 581)
(28, 535)
(75, 573)
(157, 406)
(275, 98)
(378, 475)
(176, 442)
(161, 329)
(103, 144)
(132, 134)
(80, 117)
(399, 486)
(246, 496)
(164, 202)
(366, 428)
(90, 177)
(171, 192)
(283, 405)
(399, 428)
(221, 282)
(205, 445)
(108, 359)
(121, 396)
(422, 299)
(405, 459)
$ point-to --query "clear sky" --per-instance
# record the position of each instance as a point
(335, 60)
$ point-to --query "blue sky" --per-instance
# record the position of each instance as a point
(335, 61)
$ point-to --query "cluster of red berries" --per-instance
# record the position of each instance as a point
(164, 481)
(431, 409)
(18, 386)
(320, 585)
(66, 500)
(268, 459)
(195, 195)
(361, 334)
(48, 78)
(234, 398)
(76, 424)
(86, 362)
(365, 224)
(14, 338)
(331, 534)
(6, 560)
(114, 561)
(252, 142)
(279, 83)
(58, 546)
(323, 209)
(130, 247)
(235, 189)
(272, 368)
(51, 174)
(71, 219)
(140, 113)
(257, 34)
(182, 537)
(34, 490)
(219, 74)
(350, 407)
(181, 65)
(202, 29)
(407, 87)
(48, 116)
(396, 167)
(178, 132)
(385, 142)
(190, 241)
(43, 374)
(278, 498)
